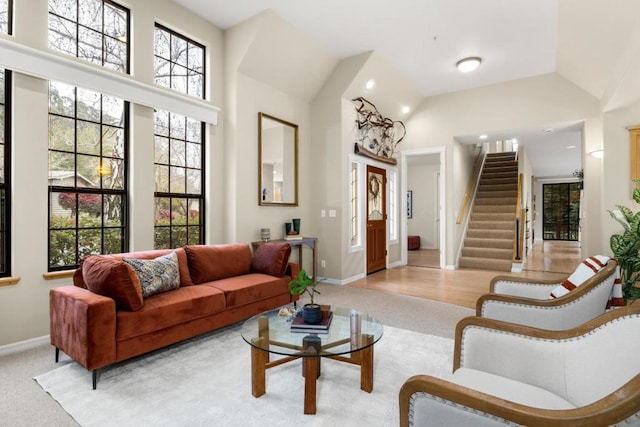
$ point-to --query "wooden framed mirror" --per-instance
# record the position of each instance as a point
(277, 162)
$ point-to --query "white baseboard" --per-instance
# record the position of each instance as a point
(343, 281)
(24, 345)
(396, 264)
(450, 267)
(516, 268)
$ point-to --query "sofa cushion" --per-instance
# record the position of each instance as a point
(214, 262)
(156, 275)
(249, 288)
(271, 259)
(114, 279)
(167, 309)
(508, 389)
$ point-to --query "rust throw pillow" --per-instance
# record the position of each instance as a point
(214, 262)
(114, 279)
(271, 258)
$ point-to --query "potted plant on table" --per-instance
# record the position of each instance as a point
(626, 247)
(311, 312)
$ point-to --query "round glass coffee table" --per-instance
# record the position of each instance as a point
(349, 338)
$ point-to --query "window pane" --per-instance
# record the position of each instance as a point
(162, 72)
(62, 99)
(115, 22)
(61, 169)
(116, 54)
(162, 179)
(62, 35)
(112, 110)
(88, 138)
(112, 173)
(178, 236)
(2, 162)
(4, 28)
(161, 121)
(66, 8)
(112, 142)
(194, 235)
(90, 14)
(89, 242)
(90, 45)
(88, 172)
(62, 247)
(179, 51)
(178, 129)
(177, 180)
(88, 105)
(194, 130)
(113, 241)
(179, 78)
(195, 84)
(162, 44)
(177, 152)
(194, 180)
(61, 133)
(89, 210)
(196, 55)
(112, 210)
(194, 212)
(162, 150)
(193, 155)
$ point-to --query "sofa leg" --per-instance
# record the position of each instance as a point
(94, 377)
(57, 354)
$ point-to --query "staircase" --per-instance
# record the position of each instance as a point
(491, 230)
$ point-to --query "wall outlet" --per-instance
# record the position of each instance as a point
(323, 213)
(323, 264)
(332, 213)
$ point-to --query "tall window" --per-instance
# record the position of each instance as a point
(179, 180)
(5, 173)
(561, 211)
(6, 15)
(94, 30)
(179, 62)
(88, 134)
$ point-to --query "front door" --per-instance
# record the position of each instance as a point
(376, 219)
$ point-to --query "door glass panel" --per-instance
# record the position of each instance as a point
(374, 190)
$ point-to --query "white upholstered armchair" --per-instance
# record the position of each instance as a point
(511, 374)
(526, 301)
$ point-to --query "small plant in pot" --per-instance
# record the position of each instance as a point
(311, 312)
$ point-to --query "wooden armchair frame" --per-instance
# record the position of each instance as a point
(511, 306)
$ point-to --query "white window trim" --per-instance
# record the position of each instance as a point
(50, 66)
(393, 203)
(359, 247)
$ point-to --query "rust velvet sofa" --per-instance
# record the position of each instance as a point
(105, 317)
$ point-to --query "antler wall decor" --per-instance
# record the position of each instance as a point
(378, 136)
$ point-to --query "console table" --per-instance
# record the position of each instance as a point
(311, 242)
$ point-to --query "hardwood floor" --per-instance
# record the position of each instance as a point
(424, 258)
(546, 260)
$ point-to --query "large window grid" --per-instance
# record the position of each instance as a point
(179, 180)
(88, 135)
(179, 62)
(5, 173)
(96, 31)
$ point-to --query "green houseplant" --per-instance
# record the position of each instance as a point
(311, 312)
(626, 247)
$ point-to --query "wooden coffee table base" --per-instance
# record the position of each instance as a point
(311, 369)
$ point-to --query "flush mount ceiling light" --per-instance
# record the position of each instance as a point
(483, 136)
(569, 147)
(370, 84)
(406, 109)
(598, 154)
(466, 65)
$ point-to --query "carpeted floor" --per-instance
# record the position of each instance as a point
(24, 403)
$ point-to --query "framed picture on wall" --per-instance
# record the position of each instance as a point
(409, 204)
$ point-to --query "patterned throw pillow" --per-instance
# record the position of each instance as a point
(156, 275)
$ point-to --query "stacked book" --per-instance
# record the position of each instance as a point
(298, 325)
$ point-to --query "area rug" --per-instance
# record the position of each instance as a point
(206, 381)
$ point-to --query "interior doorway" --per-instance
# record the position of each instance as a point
(424, 239)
